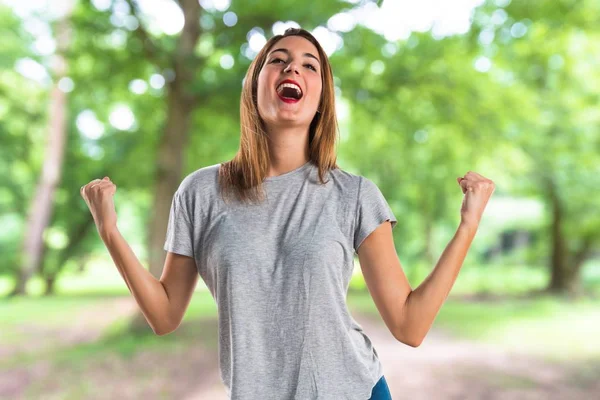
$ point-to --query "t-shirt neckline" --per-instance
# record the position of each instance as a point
(289, 174)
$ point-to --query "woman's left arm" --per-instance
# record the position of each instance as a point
(423, 303)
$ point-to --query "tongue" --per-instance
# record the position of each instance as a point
(289, 93)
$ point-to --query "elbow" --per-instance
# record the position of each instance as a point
(412, 341)
(162, 331)
(403, 332)
(408, 336)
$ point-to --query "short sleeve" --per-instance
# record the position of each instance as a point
(180, 238)
(372, 210)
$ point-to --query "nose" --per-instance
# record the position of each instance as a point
(289, 67)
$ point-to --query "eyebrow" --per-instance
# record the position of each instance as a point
(286, 51)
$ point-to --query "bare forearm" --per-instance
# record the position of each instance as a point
(424, 302)
(148, 291)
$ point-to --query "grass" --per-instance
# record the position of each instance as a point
(53, 311)
(549, 327)
(546, 326)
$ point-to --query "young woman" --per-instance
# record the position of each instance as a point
(273, 233)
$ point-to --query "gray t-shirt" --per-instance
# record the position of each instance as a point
(279, 274)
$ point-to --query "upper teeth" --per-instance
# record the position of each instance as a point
(291, 85)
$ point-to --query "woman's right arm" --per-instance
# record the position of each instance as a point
(163, 302)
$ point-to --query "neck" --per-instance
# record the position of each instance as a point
(288, 149)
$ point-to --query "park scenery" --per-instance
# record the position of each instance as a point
(148, 91)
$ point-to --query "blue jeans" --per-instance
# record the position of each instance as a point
(381, 391)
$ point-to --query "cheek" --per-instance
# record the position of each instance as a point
(261, 92)
(317, 92)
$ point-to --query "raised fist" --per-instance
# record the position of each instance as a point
(98, 195)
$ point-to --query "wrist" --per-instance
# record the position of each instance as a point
(468, 227)
(107, 232)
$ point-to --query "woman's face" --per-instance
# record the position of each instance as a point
(297, 59)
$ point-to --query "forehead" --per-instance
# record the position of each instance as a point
(296, 44)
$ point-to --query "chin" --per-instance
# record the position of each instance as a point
(289, 121)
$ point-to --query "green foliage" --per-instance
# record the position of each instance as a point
(421, 112)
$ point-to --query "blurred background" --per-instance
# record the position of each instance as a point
(146, 92)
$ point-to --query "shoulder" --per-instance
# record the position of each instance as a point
(352, 181)
(199, 183)
(346, 178)
(357, 187)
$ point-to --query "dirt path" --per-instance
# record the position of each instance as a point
(441, 368)
(446, 368)
(84, 327)
(35, 338)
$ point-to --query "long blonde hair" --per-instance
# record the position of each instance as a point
(242, 176)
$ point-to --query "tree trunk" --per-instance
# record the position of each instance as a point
(76, 235)
(180, 105)
(564, 277)
(41, 206)
(49, 280)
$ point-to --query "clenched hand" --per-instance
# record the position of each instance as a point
(477, 190)
(98, 195)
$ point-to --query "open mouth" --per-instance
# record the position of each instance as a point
(289, 92)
